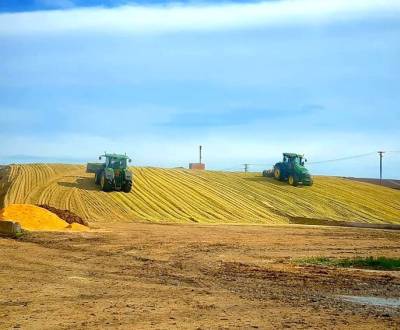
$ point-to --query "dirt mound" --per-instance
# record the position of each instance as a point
(66, 215)
(32, 217)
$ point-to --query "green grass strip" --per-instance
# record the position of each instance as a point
(382, 263)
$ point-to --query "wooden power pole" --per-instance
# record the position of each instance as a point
(380, 165)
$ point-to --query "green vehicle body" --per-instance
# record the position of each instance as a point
(113, 174)
(291, 169)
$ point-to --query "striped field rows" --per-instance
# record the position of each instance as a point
(178, 195)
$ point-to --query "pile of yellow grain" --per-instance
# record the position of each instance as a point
(32, 217)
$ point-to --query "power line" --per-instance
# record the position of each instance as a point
(343, 158)
(246, 166)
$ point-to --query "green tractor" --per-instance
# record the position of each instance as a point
(113, 174)
(291, 169)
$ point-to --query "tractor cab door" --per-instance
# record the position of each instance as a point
(285, 166)
(108, 159)
(291, 163)
(285, 161)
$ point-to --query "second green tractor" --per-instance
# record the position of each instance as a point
(291, 169)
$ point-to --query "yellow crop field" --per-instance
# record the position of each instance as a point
(179, 195)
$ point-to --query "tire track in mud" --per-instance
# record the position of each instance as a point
(179, 195)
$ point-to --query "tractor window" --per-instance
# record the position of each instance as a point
(294, 160)
(118, 163)
(115, 163)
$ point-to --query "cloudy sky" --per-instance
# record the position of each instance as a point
(247, 80)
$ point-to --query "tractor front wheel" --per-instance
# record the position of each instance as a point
(128, 186)
(293, 181)
(105, 185)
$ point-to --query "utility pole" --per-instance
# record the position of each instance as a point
(200, 147)
(246, 168)
(380, 165)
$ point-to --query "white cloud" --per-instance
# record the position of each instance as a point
(172, 18)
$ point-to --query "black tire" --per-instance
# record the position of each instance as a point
(293, 181)
(127, 186)
(105, 185)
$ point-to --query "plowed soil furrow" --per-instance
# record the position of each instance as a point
(178, 195)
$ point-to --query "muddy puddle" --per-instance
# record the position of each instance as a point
(373, 301)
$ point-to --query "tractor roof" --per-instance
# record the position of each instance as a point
(289, 154)
(116, 156)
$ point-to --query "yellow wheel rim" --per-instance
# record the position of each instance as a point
(277, 173)
(291, 180)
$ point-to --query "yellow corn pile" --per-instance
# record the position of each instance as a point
(32, 217)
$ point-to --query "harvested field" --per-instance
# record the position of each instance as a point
(178, 195)
(193, 276)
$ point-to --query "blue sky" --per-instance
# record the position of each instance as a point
(246, 80)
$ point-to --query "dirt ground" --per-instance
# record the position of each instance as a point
(142, 276)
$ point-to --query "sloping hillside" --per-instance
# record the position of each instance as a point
(177, 195)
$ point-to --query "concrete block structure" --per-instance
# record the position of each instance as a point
(197, 166)
(9, 228)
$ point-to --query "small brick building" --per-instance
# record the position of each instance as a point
(197, 166)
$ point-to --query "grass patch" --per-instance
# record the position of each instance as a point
(383, 263)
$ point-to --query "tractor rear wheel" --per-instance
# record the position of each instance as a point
(127, 186)
(105, 185)
(277, 173)
(293, 181)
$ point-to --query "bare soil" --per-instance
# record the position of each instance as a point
(129, 275)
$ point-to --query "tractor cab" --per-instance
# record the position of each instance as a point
(292, 159)
(115, 162)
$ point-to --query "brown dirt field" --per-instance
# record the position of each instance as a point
(141, 276)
